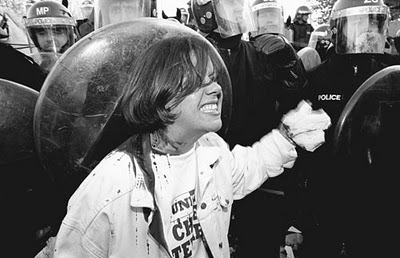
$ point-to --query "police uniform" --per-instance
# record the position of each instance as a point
(301, 34)
(262, 92)
(341, 220)
(20, 68)
(259, 100)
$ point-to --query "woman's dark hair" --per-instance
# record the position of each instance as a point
(162, 76)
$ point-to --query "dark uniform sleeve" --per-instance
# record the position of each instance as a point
(20, 68)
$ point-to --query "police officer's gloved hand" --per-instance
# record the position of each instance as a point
(277, 48)
(305, 127)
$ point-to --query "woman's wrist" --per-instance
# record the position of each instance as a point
(284, 131)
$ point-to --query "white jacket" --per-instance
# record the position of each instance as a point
(114, 214)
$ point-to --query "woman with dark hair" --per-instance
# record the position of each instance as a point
(168, 190)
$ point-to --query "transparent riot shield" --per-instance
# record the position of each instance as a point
(310, 57)
(366, 141)
(77, 117)
(25, 187)
(16, 123)
(365, 121)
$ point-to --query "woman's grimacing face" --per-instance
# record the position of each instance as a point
(200, 112)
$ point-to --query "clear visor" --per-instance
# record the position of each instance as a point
(233, 17)
(111, 12)
(267, 18)
(52, 38)
(361, 34)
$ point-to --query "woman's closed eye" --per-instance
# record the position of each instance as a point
(209, 79)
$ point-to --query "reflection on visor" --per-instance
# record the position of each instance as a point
(361, 34)
(55, 30)
(233, 17)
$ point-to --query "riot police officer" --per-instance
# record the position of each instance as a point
(271, 37)
(260, 96)
(267, 16)
(359, 43)
(359, 32)
(301, 28)
(110, 11)
(51, 27)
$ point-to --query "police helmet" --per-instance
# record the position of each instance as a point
(86, 8)
(49, 20)
(359, 26)
(204, 15)
(226, 17)
(302, 10)
(267, 17)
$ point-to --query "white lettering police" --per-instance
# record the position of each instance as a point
(324, 97)
(42, 10)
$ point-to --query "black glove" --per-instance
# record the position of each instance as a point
(287, 68)
(277, 48)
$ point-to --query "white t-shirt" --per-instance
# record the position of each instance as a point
(175, 178)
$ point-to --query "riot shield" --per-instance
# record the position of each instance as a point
(366, 141)
(77, 118)
(16, 123)
(310, 57)
(366, 117)
(34, 207)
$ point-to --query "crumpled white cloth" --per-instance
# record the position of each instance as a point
(306, 126)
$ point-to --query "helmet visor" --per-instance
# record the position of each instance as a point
(52, 38)
(361, 34)
(111, 12)
(267, 18)
(233, 17)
